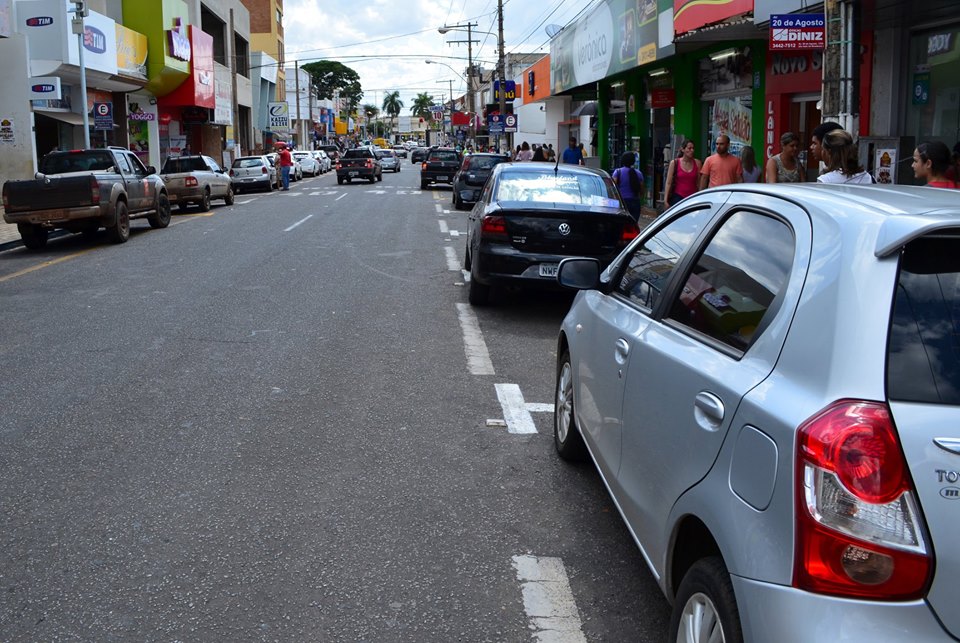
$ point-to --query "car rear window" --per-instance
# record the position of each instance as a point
(444, 156)
(62, 162)
(189, 164)
(549, 188)
(251, 162)
(358, 154)
(485, 162)
(387, 153)
(923, 356)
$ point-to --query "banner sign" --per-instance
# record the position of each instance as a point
(689, 15)
(278, 117)
(797, 31)
(511, 90)
(44, 87)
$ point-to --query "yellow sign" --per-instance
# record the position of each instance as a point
(131, 53)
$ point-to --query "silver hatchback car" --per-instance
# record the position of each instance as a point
(768, 381)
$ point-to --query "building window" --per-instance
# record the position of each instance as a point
(279, 17)
(213, 25)
(241, 52)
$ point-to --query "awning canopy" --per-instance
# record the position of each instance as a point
(67, 117)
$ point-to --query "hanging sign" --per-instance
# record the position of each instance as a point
(103, 116)
(797, 31)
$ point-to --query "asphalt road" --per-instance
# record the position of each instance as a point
(261, 424)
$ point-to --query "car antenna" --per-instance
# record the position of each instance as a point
(556, 167)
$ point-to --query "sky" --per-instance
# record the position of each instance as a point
(387, 41)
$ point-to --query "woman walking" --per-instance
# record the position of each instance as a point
(630, 183)
(785, 166)
(682, 175)
(525, 153)
(840, 156)
(751, 171)
(931, 161)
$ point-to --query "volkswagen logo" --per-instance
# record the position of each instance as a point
(564, 229)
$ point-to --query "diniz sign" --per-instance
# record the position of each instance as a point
(178, 45)
(797, 31)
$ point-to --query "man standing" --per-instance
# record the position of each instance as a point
(572, 154)
(721, 168)
(286, 162)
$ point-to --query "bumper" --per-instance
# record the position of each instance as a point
(356, 173)
(779, 613)
(55, 216)
(437, 177)
(508, 266)
(184, 195)
(259, 183)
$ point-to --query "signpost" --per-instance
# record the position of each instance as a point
(103, 116)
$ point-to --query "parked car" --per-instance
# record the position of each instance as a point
(400, 151)
(83, 191)
(419, 154)
(196, 179)
(333, 152)
(253, 173)
(359, 163)
(308, 163)
(768, 382)
(471, 177)
(530, 217)
(296, 170)
(323, 160)
(440, 165)
(389, 161)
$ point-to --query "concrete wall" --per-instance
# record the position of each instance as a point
(17, 156)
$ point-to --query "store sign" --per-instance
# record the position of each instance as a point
(39, 21)
(616, 36)
(99, 43)
(178, 45)
(223, 104)
(797, 31)
(941, 43)
(279, 116)
(44, 87)
(511, 90)
(131, 53)
(660, 98)
(94, 40)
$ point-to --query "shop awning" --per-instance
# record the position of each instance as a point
(67, 117)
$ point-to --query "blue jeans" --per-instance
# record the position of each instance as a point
(285, 176)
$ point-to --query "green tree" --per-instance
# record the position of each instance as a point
(369, 113)
(331, 77)
(392, 106)
(421, 106)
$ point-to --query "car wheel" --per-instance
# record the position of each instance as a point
(466, 257)
(423, 185)
(339, 181)
(566, 435)
(160, 218)
(205, 201)
(705, 608)
(228, 199)
(373, 179)
(119, 232)
(34, 236)
(479, 294)
(398, 168)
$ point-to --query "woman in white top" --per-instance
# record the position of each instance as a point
(525, 153)
(840, 156)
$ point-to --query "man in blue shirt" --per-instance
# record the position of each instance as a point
(572, 154)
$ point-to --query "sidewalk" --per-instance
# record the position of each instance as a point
(9, 237)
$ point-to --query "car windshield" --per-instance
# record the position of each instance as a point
(62, 162)
(248, 162)
(924, 345)
(183, 164)
(547, 187)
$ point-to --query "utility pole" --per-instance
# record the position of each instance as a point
(79, 13)
(299, 127)
(471, 96)
(500, 70)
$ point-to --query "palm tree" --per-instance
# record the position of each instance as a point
(370, 112)
(392, 106)
(421, 105)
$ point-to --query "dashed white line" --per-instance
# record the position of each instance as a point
(548, 600)
(453, 263)
(478, 358)
(515, 410)
(454, 233)
(341, 196)
(298, 223)
(443, 226)
(246, 202)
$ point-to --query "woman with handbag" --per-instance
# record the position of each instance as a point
(682, 175)
(630, 184)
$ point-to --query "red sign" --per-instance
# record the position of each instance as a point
(693, 14)
(662, 98)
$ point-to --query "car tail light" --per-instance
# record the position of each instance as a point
(264, 170)
(629, 232)
(369, 163)
(493, 226)
(94, 190)
(858, 524)
(231, 173)
(423, 166)
(338, 165)
(191, 182)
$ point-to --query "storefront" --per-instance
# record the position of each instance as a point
(933, 106)
(730, 86)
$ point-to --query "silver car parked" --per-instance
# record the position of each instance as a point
(768, 381)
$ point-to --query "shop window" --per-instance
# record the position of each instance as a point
(213, 25)
(933, 104)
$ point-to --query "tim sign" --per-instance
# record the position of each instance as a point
(797, 31)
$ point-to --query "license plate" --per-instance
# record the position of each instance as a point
(353, 173)
(443, 178)
(249, 180)
(548, 269)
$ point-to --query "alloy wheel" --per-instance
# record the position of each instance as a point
(564, 404)
(700, 622)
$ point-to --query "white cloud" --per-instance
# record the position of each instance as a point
(365, 38)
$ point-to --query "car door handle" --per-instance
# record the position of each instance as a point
(708, 410)
(621, 351)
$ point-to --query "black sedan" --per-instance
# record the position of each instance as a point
(472, 176)
(531, 216)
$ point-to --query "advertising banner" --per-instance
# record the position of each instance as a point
(797, 31)
(223, 109)
(44, 88)
(735, 120)
(278, 115)
(99, 44)
(615, 36)
(689, 15)
(511, 90)
(131, 53)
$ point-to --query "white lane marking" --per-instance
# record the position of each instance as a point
(246, 202)
(452, 262)
(515, 410)
(443, 226)
(439, 208)
(466, 275)
(341, 196)
(539, 407)
(298, 223)
(478, 358)
(548, 600)
(454, 233)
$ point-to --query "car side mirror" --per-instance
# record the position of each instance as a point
(151, 169)
(579, 273)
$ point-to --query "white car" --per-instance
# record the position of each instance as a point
(308, 163)
(325, 164)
